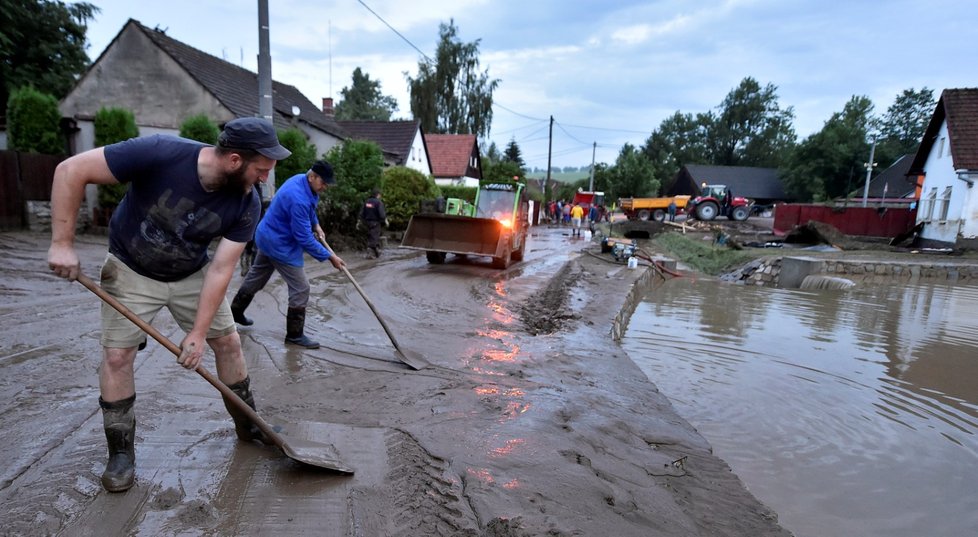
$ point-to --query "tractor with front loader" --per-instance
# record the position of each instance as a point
(496, 225)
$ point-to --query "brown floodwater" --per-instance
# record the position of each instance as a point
(848, 412)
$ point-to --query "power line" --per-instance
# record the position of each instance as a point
(406, 40)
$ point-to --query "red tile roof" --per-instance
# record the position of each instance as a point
(450, 153)
(960, 108)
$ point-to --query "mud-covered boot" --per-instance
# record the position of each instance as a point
(243, 426)
(295, 322)
(120, 434)
(238, 306)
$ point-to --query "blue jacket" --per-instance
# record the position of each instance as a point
(285, 232)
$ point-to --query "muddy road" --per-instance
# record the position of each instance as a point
(530, 420)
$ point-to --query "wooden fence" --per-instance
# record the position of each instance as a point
(24, 177)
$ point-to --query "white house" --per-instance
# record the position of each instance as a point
(947, 160)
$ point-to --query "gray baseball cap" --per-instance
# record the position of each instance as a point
(253, 133)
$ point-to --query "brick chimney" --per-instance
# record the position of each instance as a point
(328, 106)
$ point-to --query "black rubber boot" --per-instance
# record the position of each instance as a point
(243, 426)
(295, 322)
(238, 306)
(120, 434)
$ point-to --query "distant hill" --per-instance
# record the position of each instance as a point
(563, 177)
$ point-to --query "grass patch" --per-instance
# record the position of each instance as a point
(702, 255)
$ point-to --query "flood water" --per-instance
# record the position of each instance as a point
(848, 412)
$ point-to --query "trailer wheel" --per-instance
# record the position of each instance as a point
(644, 214)
(707, 211)
(436, 258)
(739, 213)
(659, 215)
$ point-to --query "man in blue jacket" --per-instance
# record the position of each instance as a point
(289, 229)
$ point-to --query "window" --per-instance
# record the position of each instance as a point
(927, 205)
(940, 148)
(945, 204)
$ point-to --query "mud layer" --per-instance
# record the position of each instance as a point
(530, 421)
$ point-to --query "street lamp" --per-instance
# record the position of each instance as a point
(869, 170)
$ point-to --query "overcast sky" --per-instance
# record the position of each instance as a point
(608, 71)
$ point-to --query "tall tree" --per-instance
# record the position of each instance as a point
(450, 95)
(830, 163)
(902, 126)
(681, 139)
(751, 128)
(42, 44)
(631, 175)
(364, 100)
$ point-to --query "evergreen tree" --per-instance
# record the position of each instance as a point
(364, 100)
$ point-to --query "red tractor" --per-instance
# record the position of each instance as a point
(717, 200)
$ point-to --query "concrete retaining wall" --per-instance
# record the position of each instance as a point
(788, 272)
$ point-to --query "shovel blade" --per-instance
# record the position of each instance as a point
(412, 359)
(315, 454)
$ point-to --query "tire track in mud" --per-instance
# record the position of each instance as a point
(426, 499)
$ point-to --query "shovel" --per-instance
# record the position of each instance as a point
(304, 451)
(412, 359)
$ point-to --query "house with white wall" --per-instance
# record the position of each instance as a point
(947, 162)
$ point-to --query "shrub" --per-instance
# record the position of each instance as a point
(403, 190)
(466, 193)
(358, 166)
(113, 125)
(32, 122)
(302, 157)
(200, 128)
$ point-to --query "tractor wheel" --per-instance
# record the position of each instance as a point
(739, 213)
(644, 214)
(707, 211)
(502, 262)
(659, 215)
(435, 258)
(518, 254)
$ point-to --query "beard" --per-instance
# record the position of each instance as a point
(235, 182)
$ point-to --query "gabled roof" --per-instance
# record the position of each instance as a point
(395, 138)
(763, 183)
(450, 153)
(237, 88)
(960, 108)
(894, 180)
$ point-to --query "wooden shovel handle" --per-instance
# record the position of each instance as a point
(172, 347)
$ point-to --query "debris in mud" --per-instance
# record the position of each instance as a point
(547, 313)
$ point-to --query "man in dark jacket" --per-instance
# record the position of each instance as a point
(373, 215)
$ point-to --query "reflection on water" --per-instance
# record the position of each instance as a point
(848, 412)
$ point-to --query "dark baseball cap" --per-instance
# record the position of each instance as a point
(324, 170)
(253, 133)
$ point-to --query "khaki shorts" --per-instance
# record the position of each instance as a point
(146, 297)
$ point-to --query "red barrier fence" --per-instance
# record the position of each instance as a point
(862, 221)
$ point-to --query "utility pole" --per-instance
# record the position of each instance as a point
(550, 145)
(594, 150)
(869, 170)
(265, 109)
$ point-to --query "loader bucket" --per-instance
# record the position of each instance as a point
(454, 234)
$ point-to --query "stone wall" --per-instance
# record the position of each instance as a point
(767, 271)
